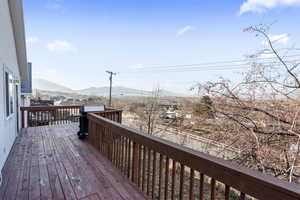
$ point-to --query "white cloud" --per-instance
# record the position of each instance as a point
(259, 6)
(279, 39)
(61, 46)
(32, 40)
(184, 30)
(138, 66)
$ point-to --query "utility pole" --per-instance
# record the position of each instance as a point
(110, 87)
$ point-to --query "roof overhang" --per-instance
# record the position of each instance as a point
(17, 18)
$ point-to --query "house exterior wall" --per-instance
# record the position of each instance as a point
(9, 63)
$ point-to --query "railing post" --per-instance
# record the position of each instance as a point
(120, 117)
(22, 118)
(28, 120)
(135, 163)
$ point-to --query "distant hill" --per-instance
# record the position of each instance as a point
(42, 84)
(45, 85)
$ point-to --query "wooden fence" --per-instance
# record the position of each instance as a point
(165, 170)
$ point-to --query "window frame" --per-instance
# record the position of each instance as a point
(9, 96)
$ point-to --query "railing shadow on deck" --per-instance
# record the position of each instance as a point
(165, 170)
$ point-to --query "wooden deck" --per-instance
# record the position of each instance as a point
(50, 162)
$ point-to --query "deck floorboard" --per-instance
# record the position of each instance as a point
(50, 162)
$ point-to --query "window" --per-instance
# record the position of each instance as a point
(9, 94)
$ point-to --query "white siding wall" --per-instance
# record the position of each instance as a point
(8, 61)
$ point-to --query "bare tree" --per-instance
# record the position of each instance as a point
(262, 110)
(150, 113)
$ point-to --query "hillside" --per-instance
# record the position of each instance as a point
(46, 85)
(42, 84)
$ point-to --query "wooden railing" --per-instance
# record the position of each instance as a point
(165, 170)
(50, 115)
(112, 114)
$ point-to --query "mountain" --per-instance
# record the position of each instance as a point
(116, 91)
(45, 85)
(42, 84)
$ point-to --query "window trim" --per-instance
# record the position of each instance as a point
(8, 113)
(6, 93)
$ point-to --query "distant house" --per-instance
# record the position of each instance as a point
(170, 107)
(13, 71)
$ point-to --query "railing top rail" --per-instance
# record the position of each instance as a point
(108, 111)
(45, 108)
(243, 179)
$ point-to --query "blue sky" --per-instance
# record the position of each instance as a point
(73, 42)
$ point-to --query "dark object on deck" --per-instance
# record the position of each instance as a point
(83, 120)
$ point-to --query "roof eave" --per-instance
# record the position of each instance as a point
(17, 17)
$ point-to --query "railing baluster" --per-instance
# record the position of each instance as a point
(140, 165)
(135, 163)
(63, 116)
(97, 136)
(47, 114)
(35, 118)
(167, 178)
(227, 190)
(105, 145)
(22, 119)
(242, 196)
(110, 145)
(100, 138)
(119, 152)
(123, 153)
(181, 192)
(66, 115)
(129, 158)
(212, 188)
(148, 172)
(154, 173)
(201, 186)
(144, 168)
(42, 122)
(113, 150)
(173, 179)
(192, 172)
(161, 157)
(117, 149)
(28, 119)
(59, 116)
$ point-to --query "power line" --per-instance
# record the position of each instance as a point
(187, 68)
(242, 62)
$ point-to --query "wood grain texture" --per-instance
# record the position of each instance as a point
(50, 162)
(218, 170)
